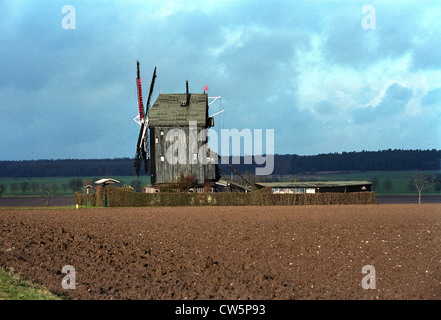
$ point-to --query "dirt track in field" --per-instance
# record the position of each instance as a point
(297, 252)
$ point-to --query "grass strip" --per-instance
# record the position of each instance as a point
(14, 287)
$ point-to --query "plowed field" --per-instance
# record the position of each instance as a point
(297, 252)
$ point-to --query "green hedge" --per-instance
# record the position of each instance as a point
(120, 197)
(96, 199)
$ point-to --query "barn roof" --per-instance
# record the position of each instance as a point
(313, 184)
(167, 110)
(106, 181)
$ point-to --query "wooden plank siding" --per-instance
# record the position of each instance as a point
(169, 116)
(164, 171)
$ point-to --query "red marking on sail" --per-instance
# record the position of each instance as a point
(140, 103)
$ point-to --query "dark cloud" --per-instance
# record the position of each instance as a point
(392, 104)
(433, 97)
(74, 90)
(395, 34)
(426, 54)
(347, 43)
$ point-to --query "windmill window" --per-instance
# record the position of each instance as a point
(195, 156)
(162, 132)
(162, 158)
(156, 140)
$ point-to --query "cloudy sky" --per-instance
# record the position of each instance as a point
(327, 76)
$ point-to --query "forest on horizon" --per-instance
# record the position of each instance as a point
(287, 164)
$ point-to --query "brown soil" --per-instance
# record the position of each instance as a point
(297, 252)
(36, 201)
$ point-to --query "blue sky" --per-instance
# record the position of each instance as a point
(310, 70)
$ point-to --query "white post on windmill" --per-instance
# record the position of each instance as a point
(136, 119)
(214, 99)
(217, 113)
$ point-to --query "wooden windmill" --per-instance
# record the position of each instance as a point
(176, 124)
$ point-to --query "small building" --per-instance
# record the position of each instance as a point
(316, 186)
(150, 190)
(177, 123)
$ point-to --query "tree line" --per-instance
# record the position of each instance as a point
(287, 164)
(385, 160)
(67, 168)
(70, 187)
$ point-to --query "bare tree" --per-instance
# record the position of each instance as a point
(185, 183)
(75, 184)
(387, 185)
(35, 188)
(48, 193)
(54, 188)
(24, 186)
(2, 189)
(65, 187)
(14, 187)
(437, 183)
(419, 182)
(375, 183)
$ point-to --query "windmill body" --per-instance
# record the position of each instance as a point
(180, 129)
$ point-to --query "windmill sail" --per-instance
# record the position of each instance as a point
(142, 147)
(140, 103)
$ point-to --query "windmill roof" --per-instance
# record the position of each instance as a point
(167, 110)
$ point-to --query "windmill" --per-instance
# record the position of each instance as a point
(142, 147)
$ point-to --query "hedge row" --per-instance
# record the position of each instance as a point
(120, 197)
(96, 199)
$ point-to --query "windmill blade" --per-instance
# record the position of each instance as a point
(139, 155)
(137, 163)
(145, 148)
(152, 84)
(143, 145)
(145, 151)
(142, 148)
(138, 86)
